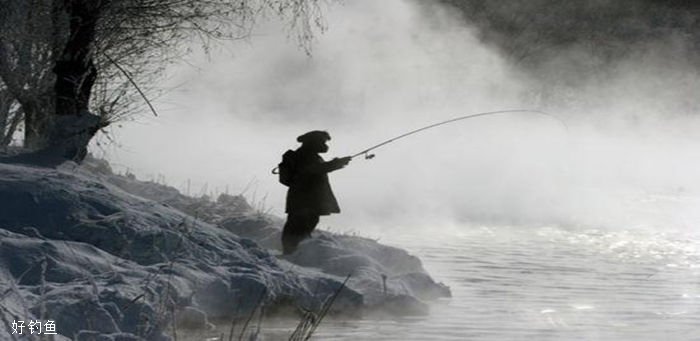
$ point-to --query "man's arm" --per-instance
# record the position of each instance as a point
(328, 166)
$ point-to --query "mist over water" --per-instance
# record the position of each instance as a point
(627, 160)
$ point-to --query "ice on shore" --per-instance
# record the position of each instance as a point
(108, 255)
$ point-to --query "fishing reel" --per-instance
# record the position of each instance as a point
(366, 154)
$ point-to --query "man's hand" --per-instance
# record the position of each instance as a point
(342, 162)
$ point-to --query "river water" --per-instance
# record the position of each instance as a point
(545, 284)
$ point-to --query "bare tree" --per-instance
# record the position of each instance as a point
(74, 66)
(26, 46)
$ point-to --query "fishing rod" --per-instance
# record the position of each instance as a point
(370, 156)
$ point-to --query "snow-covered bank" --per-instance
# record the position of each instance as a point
(103, 254)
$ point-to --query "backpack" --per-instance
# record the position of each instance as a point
(287, 168)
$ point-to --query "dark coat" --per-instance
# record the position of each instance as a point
(310, 192)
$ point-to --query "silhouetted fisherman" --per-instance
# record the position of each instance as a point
(309, 195)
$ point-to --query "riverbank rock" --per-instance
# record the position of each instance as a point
(108, 255)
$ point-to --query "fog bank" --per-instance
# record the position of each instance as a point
(628, 158)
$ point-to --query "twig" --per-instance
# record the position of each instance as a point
(250, 317)
(327, 307)
(234, 319)
(260, 317)
(305, 323)
(131, 80)
(128, 305)
(230, 332)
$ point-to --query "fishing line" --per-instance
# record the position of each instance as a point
(370, 156)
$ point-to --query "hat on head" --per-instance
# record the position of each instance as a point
(314, 136)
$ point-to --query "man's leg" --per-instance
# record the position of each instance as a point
(296, 229)
(310, 225)
(293, 232)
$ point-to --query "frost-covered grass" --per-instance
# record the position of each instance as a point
(110, 256)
